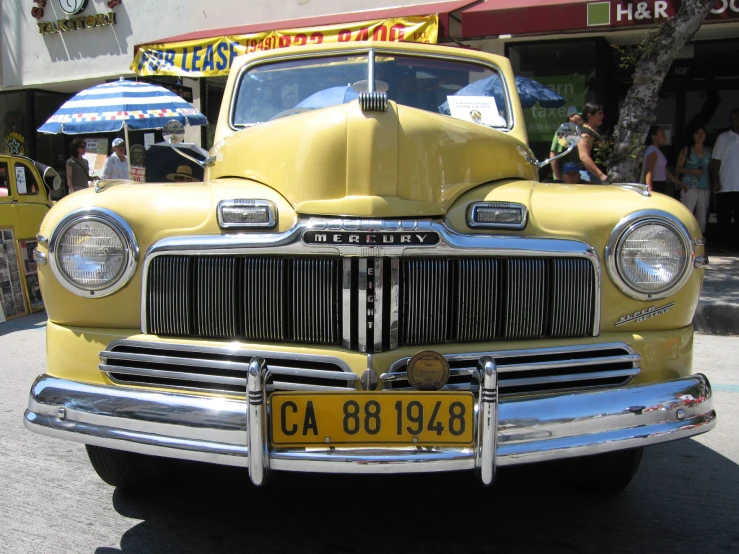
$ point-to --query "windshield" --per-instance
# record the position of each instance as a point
(459, 89)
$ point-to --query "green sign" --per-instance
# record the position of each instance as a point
(599, 13)
(542, 123)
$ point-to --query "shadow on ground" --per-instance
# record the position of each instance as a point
(24, 323)
(530, 509)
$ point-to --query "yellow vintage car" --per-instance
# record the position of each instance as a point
(370, 279)
(25, 187)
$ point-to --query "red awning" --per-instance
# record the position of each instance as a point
(443, 9)
(517, 17)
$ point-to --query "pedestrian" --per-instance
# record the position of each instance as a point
(571, 173)
(78, 170)
(592, 115)
(655, 173)
(694, 163)
(574, 115)
(725, 173)
(116, 166)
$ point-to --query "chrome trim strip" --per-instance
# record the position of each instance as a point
(231, 350)
(281, 385)
(214, 429)
(630, 223)
(394, 302)
(451, 244)
(371, 70)
(503, 354)
(381, 50)
(119, 226)
(362, 305)
(346, 301)
(39, 257)
(475, 206)
(377, 303)
(271, 222)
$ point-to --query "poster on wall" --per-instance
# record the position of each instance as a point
(96, 154)
(11, 288)
(542, 123)
(30, 273)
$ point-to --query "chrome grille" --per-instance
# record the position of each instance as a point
(214, 369)
(538, 371)
(371, 304)
(485, 299)
(255, 298)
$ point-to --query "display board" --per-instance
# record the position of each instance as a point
(11, 288)
(30, 274)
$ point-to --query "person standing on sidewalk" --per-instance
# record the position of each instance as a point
(592, 115)
(573, 116)
(655, 173)
(116, 166)
(725, 172)
(694, 162)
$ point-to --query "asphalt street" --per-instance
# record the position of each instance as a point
(685, 497)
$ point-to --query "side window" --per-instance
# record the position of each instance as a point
(4, 181)
(25, 180)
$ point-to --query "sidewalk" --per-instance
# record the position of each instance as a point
(718, 307)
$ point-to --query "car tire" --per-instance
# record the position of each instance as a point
(126, 470)
(608, 473)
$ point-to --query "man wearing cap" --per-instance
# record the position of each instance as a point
(116, 166)
(573, 116)
(571, 173)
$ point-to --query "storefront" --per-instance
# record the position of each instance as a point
(575, 47)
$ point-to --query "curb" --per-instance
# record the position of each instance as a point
(716, 319)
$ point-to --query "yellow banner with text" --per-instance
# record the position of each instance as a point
(213, 56)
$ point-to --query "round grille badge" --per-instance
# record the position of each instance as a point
(428, 370)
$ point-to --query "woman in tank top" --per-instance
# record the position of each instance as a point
(592, 115)
(694, 163)
(655, 173)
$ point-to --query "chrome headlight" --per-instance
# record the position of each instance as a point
(245, 214)
(93, 252)
(650, 255)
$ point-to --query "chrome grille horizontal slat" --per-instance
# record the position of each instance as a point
(209, 369)
(280, 385)
(174, 375)
(538, 370)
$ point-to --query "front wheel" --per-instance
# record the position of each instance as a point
(126, 469)
(607, 473)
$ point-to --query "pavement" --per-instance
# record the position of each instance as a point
(718, 308)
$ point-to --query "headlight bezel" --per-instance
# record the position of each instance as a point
(119, 226)
(633, 222)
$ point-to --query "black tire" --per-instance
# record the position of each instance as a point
(126, 470)
(607, 473)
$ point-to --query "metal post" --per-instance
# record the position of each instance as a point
(256, 422)
(487, 420)
(128, 147)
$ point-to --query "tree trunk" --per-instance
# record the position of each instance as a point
(637, 112)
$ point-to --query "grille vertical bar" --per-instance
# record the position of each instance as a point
(316, 309)
(525, 309)
(425, 305)
(214, 296)
(168, 296)
(571, 297)
(264, 298)
(477, 284)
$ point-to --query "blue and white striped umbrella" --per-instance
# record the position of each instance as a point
(105, 108)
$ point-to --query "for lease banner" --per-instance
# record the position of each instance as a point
(213, 56)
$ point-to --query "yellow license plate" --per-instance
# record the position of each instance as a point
(372, 419)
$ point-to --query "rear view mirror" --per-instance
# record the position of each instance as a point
(51, 178)
(568, 135)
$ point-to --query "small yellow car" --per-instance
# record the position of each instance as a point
(370, 279)
(25, 187)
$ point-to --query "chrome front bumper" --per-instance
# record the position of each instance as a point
(235, 432)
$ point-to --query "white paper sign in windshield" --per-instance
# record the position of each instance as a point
(477, 109)
(20, 180)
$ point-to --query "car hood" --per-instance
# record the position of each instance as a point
(343, 161)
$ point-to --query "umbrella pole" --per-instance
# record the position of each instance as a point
(128, 148)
